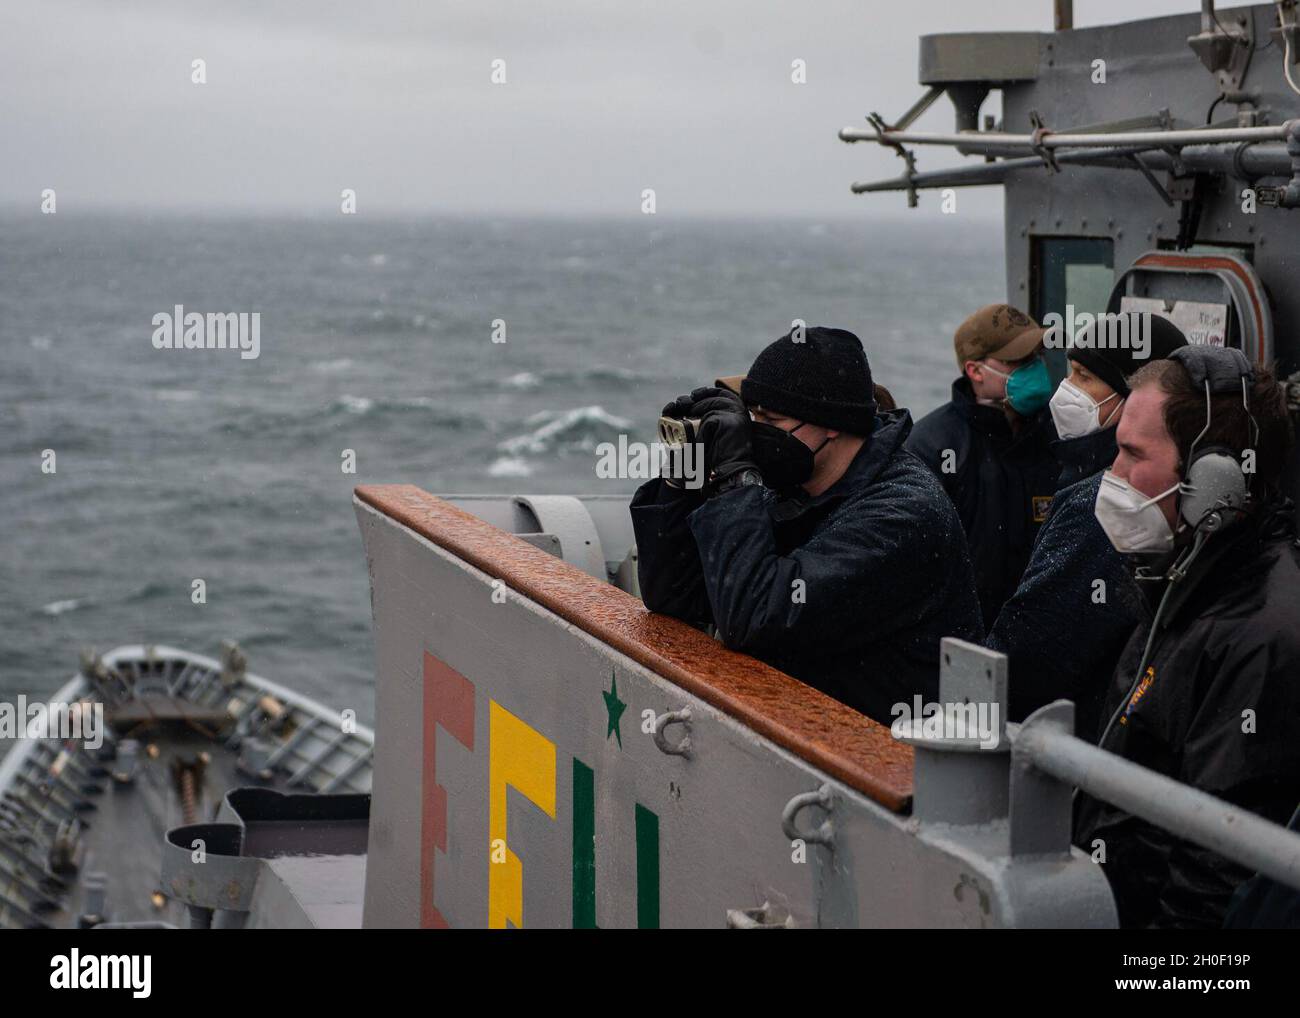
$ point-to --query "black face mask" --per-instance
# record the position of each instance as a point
(782, 459)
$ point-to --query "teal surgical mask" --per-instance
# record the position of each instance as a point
(1029, 387)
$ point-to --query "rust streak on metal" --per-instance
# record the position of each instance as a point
(827, 734)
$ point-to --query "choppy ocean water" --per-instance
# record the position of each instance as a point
(173, 465)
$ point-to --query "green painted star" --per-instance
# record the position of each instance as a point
(616, 707)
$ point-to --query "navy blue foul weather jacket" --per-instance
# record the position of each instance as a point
(1065, 626)
(1000, 480)
(882, 559)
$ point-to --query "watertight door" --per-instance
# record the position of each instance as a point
(1215, 298)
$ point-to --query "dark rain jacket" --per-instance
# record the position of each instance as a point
(1001, 483)
(1218, 708)
(1084, 456)
(881, 556)
(1065, 626)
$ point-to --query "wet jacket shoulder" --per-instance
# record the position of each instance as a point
(1218, 708)
(850, 591)
(1000, 481)
(1077, 604)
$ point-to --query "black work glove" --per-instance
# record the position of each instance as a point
(724, 432)
(699, 402)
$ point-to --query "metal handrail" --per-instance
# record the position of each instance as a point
(1233, 832)
(1261, 161)
(995, 141)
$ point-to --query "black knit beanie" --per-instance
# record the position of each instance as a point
(824, 380)
(1113, 365)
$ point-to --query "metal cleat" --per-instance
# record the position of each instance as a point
(234, 663)
(127, 762)
(66, 849)
(96, 901)
(255, 759)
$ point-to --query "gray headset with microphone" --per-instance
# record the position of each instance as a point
(1214, 480)
(1215, 488)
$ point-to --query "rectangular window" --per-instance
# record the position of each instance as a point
(1070, 270)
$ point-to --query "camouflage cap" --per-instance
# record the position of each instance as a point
(998, 330)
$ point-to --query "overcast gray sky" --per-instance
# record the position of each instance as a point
(393, 98)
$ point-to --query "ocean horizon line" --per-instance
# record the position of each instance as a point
(13, 211)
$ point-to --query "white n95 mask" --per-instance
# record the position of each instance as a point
(1132, 520)
(1074, 411)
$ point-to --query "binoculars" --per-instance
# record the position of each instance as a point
(676, 432)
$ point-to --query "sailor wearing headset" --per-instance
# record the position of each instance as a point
(1207, 690)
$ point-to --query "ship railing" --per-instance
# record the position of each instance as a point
(1248, 152)
(1044, 743)
(897, 825)
(999, 142)
(1048, 762)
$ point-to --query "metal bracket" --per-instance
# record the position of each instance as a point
(919, 107)
(968, 674)
(1225, 45)
(825, 832)
(1151, 179)
(1041, 131)
(674, 717)
(1040, 805)
(878, 122)
(1179, 188)
(962, 752)
(765, 917)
